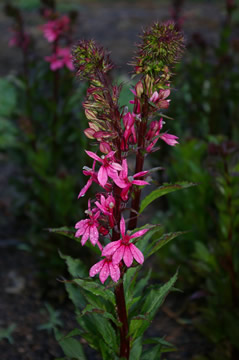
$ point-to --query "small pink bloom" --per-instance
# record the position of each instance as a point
(62, 57)
(20, 40)
(126, 182)
(93, 177)
(109, 167)
(169, 139)
(106, 205)
(123, 249)
(106, 268)
(159, 98)
(55, 28)
(88, 228)
(154, 134)
(129, 133)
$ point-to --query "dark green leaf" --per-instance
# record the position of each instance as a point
(136, 350)
(163, 190)
(75, 266)
(96, 289)
(71, 347)
(159, 243)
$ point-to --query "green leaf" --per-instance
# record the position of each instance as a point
(8, 134)
(163, 190)
(136, 350)
(75, 295)
(163, 240)
(96, 289)
(71, 347)
(7, 333)
(152, 354)
(148, 307)
(91, 309)
(8, 97)
(97, 329)
(75, 266)
(65, 231)
(156, 296)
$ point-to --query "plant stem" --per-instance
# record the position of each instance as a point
(123, 318)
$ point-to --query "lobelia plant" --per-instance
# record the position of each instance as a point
(114, 317)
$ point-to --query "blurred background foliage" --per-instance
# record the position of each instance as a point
(47, 158)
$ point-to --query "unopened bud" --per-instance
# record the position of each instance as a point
(139, 88)
(105, 147)
(89, 133)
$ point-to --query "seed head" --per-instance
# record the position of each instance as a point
(161, 47)
(89, 59)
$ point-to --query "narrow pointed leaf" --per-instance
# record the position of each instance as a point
(71, 347)
(163, 190)
(96, 289)
(163, 240)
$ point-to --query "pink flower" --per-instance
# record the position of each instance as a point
(106, 205)
(126, 182)
(159, 98)
(62, 57)
(123, 249)
(20, 40)
(93, 177)
(54, 28)
(88, 228)
(169, 139)
(109, 167)
(129, 132)
(154, 134)
(105, 268)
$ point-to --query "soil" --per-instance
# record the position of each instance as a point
(115, 24)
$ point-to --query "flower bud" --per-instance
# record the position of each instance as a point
(139, 89)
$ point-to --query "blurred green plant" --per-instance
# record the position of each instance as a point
(209, 79)
(54, 320)
(41, 126)
(217, 262)
(7, 333)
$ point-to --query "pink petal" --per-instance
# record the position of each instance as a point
(122, 226)
(104, 273)
(124, 172)
(111, 248)
(116, 166)
(140, 182)
(169, 139)
(85, 188)
(124, 193)
(120, 183)
(93, 156)
(114, 272)
(85, 236)
(94, 235)
(128, 257)
(81, 224)
(110, 154)
(141, 173)
(138, 233)
(100, 206)
(102, 176)
(137, 254)
(118, 255)
(95, 269)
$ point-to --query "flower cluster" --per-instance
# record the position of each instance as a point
(119, 134)
(54, 30)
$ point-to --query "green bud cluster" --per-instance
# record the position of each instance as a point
(89, 59)
(161, 47)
